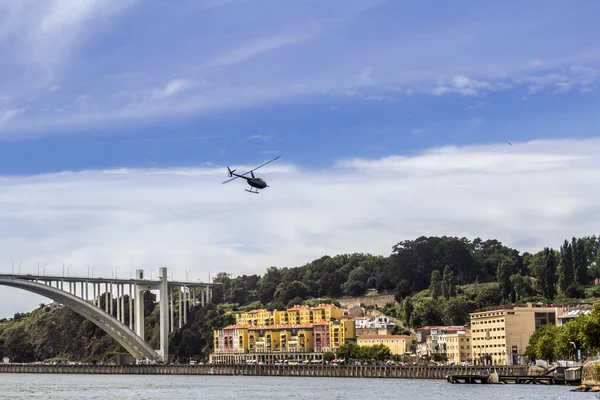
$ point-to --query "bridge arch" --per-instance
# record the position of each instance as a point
(117, 330)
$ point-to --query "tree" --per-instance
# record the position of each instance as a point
(580, 262)
(504, 273)
(402, 290)
(435, 288)
(400, 330)
(456, 311)
(542, 344)
(408, 308)
(448, 283)
(566, 273)
(546, 273)
(521, 286)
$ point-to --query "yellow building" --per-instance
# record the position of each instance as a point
(398, 344)
(340, 331)
(458, 346)
(255, 317)
(500, 334)
(296, 315)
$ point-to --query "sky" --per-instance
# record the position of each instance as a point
(392, 119)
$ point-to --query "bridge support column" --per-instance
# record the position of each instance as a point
(171, 310)
(164, 314)
(139, 306)
(131, 306)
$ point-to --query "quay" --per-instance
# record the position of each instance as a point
(317, 370)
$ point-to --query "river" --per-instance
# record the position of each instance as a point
(182, 387)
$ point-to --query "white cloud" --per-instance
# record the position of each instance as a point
(527, 195)
(7, 115)
(284, 52)
(250, 50)
(465, 86)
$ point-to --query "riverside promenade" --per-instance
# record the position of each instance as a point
(345, 371)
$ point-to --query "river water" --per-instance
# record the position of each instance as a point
(182, 387)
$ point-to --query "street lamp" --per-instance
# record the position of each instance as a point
(186, 274)
(44, 268)
(20, 268)
(69, 270)
(88, 270)
(130, 270)
(38, 263)
(63, 269)
(116, 269)
(93, 271)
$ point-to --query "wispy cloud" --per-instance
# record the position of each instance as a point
(175, 217)
(305, 49)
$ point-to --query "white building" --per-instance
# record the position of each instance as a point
(379, 322)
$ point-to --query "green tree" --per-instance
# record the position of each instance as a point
(456, 311)
(448, 283)
(400, 330)
(435, 288)
(408, 308)
(580, 262)
(566, 273)
(521, 286)
(546, 273)
(505, 271)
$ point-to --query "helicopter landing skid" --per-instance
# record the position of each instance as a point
(251, 191)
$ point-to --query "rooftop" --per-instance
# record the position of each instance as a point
(386, 337)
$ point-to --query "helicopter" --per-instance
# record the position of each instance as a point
(254, 182)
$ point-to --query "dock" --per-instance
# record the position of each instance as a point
(469, 378)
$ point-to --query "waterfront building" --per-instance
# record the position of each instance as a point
(571, 312)
(295, 315)
(499, 335)
(458, 346)
(284, 333)
(341, 331)
(398, 344)
(432, 339)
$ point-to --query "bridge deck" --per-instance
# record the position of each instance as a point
(123, 281)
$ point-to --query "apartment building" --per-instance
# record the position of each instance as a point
(398, 344)
(277, 332)
(296, 315)
(499, 335)
(458, 346)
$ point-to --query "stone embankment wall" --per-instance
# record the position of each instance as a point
(590, 374)
(362, 371)
(379, 300)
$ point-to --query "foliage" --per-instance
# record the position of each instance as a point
(352, 351)
(552, 342)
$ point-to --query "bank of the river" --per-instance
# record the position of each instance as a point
(590, 377)
(354, 371)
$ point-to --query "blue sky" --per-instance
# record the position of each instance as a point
(392, 119)
(107, 85)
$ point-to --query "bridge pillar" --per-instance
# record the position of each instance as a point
(164, 314)
(139, 305)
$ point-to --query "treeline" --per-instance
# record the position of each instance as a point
(413, 264)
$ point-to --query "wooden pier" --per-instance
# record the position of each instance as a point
(524, 379)
(505, 379)
(468, 378)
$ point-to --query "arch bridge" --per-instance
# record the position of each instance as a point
(125, 325)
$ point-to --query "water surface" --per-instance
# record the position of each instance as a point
(183, 387)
